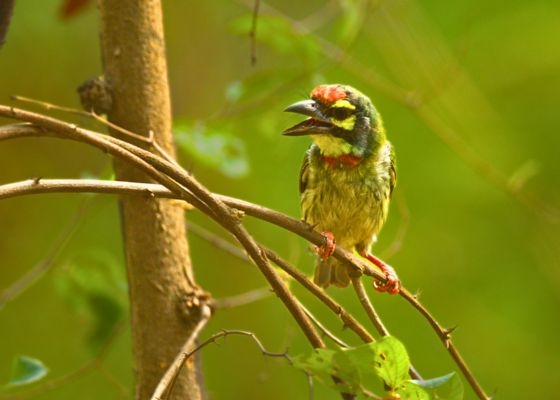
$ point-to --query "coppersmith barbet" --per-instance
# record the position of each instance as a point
(347, 178)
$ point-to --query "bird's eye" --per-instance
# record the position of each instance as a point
(341, 113)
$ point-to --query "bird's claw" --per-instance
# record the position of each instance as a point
(325, 250)
(392, 283)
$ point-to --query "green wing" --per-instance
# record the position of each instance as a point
(392, 170)
(304, 173)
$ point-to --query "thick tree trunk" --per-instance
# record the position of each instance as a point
(157, 254)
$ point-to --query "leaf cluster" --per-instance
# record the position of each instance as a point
(361, 369)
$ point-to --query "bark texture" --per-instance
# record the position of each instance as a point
(161, 286)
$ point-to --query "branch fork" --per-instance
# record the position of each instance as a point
(174, 182)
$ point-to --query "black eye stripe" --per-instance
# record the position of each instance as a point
(340, 113)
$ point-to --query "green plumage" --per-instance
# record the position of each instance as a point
(348, 173)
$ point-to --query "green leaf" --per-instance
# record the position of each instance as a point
(362, 359)
(361, 366)
(346, 369)
(319, 363)
(386, 359)
(392, 362)
(447, 387)
(27, 370)
(214, 146)
(410, 391)
(323, 364)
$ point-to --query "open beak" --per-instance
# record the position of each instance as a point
(316, 124)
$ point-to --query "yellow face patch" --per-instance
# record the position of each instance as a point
(343, 104)
(347, 124)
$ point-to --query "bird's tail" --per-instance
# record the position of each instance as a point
(331, 272)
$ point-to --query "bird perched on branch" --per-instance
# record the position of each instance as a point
(347, 178)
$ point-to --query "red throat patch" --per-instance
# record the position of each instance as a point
(345, 160)
(328, 93)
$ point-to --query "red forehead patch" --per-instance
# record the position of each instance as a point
(328, 93)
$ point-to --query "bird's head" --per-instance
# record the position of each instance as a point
(342, 121)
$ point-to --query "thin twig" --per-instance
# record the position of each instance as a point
(264, 351)
(224, 245)
(228, 332)
(346, 317)
(92, 114)
(324, 329)
(165, 385)
(50, 106)
(306, 231)
(217, 241)
(374, 317)
(368, 307)
(242, 299)
(445, 337)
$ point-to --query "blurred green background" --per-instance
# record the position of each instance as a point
(469, 92)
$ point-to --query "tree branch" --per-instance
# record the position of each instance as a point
(32, 186)
(346, 317)
(171, 176)
(180, 185)
(38, 186)
(183, 185)
(445, 337)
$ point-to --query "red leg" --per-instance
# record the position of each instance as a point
(393, 284)
(327, 248)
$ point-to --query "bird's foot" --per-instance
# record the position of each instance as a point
(392, 284)
(325, 250)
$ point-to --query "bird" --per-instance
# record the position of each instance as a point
(346, 180)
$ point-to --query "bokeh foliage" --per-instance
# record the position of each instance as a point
(469, 92)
